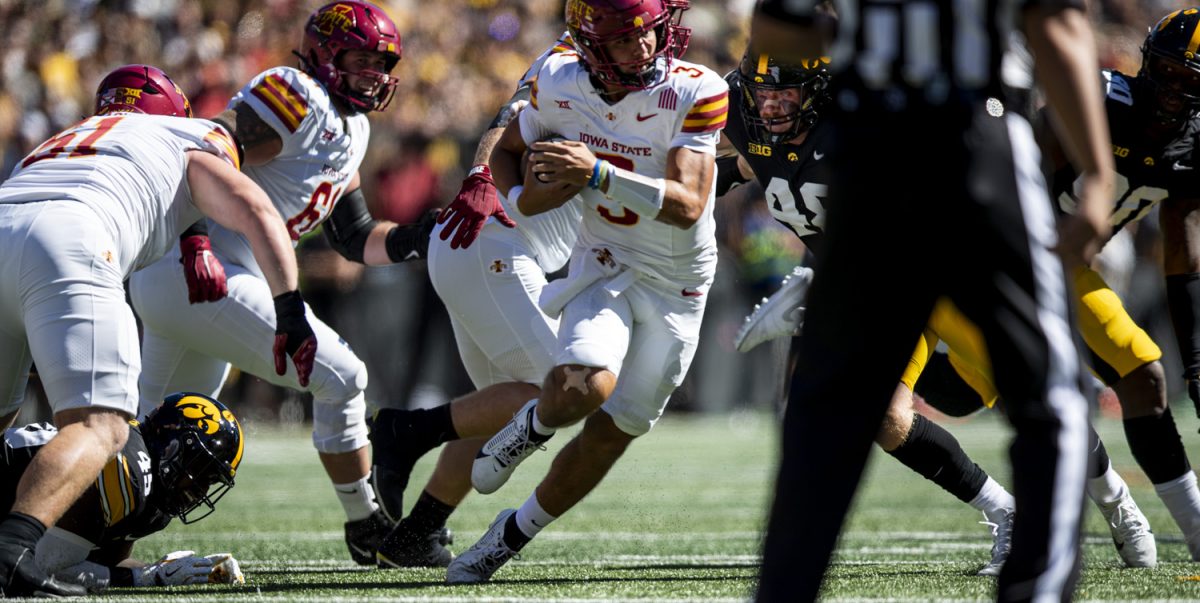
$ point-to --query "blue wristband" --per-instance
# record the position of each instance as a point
(594, 183)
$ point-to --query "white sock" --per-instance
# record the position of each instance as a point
(1106, 491)
(357, 498)
(1182, 499)
(993, 500)
(540, 428)
(531, 518)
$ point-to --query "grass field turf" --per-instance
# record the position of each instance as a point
(677, 519)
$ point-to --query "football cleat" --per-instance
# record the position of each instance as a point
(780, 315)
(478, 563)
(405, 548)
(1001, 543)
(1131, 533)
(497, 459)
(364, 536)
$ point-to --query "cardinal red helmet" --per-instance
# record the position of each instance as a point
(141, 89)
(595, 23)
(351, 25)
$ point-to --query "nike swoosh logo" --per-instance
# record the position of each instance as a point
(817, 155)
(641, 117)
(687, 293)
(173, 571)
(1179, 167)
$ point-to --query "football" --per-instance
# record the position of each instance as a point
(525, 164)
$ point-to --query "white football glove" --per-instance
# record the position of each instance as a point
(225, 570)
(175, 569)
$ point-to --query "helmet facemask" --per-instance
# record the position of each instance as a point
(191, 476)
(801, 90)
(1170, 71)
(196, 446)
(595, 25)
(339, 27)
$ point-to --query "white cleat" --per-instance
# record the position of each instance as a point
(495, 462)
(1131, 533)
(478, 563)
(1001, 543)
(780, 315)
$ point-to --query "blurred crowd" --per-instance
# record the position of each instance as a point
(461, 59)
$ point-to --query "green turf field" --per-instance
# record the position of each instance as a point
(678, 519)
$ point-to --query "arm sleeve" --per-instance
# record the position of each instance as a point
(349, 225)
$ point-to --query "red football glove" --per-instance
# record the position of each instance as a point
(466, 214)
(202, 270)
(293, 337)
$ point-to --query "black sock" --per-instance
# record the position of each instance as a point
(428, 515)
(1155, 443)
(936, 455)
(21, 529)
(1098, 461)
(514, 538)
(415, 431)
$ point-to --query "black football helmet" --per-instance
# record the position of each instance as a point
(1170, 72)
(762, 72)
(196, 445)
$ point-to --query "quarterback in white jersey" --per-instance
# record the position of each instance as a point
(304, 132)
(490, 280)
(77, 216)
(641, 129)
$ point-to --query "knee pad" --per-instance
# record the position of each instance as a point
(339, 428)
(338, 382)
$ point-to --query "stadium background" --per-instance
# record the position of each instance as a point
(461, 60)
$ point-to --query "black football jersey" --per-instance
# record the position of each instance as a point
(795, 176)
(114, 509)
(1148, 172)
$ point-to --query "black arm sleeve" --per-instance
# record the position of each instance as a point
(411, 241)
(349, 225)
(728, 174)
(1183, 295)
(199, 228)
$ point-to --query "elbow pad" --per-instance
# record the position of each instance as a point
(349, 225)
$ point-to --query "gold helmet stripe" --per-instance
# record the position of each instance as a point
(1167, 20)
(763, 59)
(1193, 43)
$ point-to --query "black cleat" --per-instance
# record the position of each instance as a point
(25, 579)
(404, 548)
(364, 536)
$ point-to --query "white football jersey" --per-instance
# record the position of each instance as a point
(321, 153)
(552, 234)
(687, 108)
(131, 169)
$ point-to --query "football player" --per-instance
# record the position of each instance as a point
(641, 128)
(506, 359)
(78, 215)
(176, 464)
(785, 156)
(1155, 124)
(304, 133)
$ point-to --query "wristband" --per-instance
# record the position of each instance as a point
(481, 168)
(594, 182)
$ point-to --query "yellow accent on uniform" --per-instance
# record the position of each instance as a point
(763, 60)
(533, 91)
(1167, 20)
(222, 141)
(1106, 327)
(237, 458)
(116, 490)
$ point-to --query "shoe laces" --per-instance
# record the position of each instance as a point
(517, 442)
(1001, 536)
(1127, 520)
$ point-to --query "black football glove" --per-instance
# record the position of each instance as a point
(293, 337)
